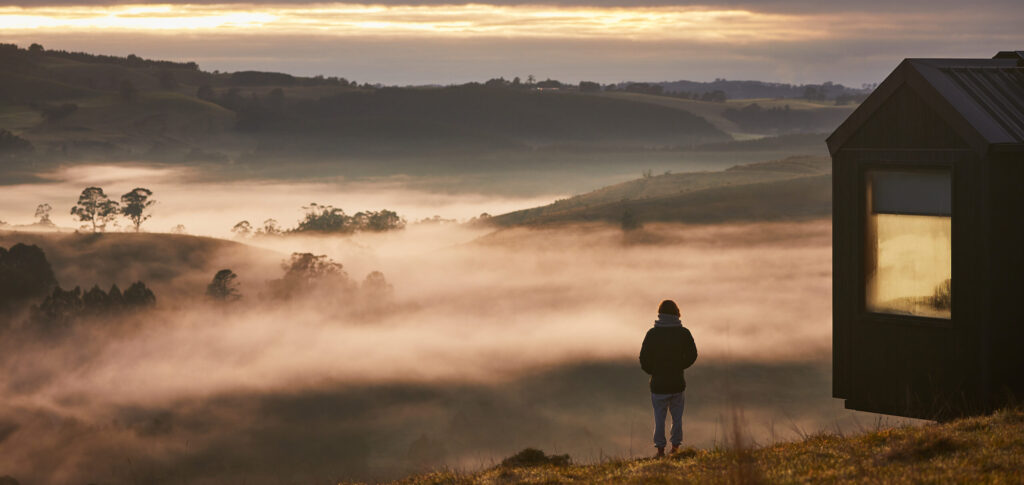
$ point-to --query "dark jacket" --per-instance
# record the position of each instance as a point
(665, 353)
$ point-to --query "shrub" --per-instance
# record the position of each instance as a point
(532, 457)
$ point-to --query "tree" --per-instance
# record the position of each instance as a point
(25, 275)
(242, 230)
(137, 295)
(96, 301)
(134, 205)
(306, 273)
(179, 229)
(224, 286)
(325, 218)
(376, 288)
(271, 228)
(94, 207)
(61, 307)
(378, 221)
(43, 213)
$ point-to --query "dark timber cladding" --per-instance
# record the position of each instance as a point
(928, 240)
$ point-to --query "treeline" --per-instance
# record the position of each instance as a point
(27, 277)
(27, 281)
(760, 89)
(656, 89)
(327, 219)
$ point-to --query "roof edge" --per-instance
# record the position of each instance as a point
(874, 101)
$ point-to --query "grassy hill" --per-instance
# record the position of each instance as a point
(76, 106)
(988, 449)
(170, 264)
(792, 188)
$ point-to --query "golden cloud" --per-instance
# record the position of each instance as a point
(519, 21)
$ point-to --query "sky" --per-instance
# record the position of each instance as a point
(440, 42)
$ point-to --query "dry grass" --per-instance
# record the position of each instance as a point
(988, 449)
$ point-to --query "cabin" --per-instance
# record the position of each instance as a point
(928, 241)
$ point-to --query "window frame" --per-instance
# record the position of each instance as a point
(862, 223)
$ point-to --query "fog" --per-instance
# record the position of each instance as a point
(209, 207)
(491, 341)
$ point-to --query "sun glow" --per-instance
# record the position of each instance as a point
(692, 23)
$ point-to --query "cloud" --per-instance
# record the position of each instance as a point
(781, 6)
(775, 41)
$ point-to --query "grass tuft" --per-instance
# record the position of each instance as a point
(532, 457)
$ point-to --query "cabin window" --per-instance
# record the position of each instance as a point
(909, 246)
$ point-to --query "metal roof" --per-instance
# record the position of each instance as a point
(987, 94)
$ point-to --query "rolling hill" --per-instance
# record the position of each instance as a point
(792, 188)
(75, 106)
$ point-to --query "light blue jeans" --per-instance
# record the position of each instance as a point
(673, 403)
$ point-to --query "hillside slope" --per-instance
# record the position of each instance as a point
(751, 118)
(792, 188)
(77, 105)
(171, 264)
(987, 449)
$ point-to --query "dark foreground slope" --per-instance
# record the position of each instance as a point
(972, 450)
(791, 189)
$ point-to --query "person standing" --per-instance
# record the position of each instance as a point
(668, 349)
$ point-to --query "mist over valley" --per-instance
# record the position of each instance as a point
(530, 229)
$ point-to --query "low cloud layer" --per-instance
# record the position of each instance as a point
(526, 337)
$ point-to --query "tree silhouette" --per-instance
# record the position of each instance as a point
(61, 306)
(137, 295)
(271, 228)
(25, 275)
(325, 218)
(376, 288)
(305, 273)
(135, 203)
(242, 229)
(224, 286)
(96, 301)
(43, 213)
(94, 207)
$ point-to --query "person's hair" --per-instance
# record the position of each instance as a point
(668, 307)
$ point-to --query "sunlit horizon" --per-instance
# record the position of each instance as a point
(428, 44)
